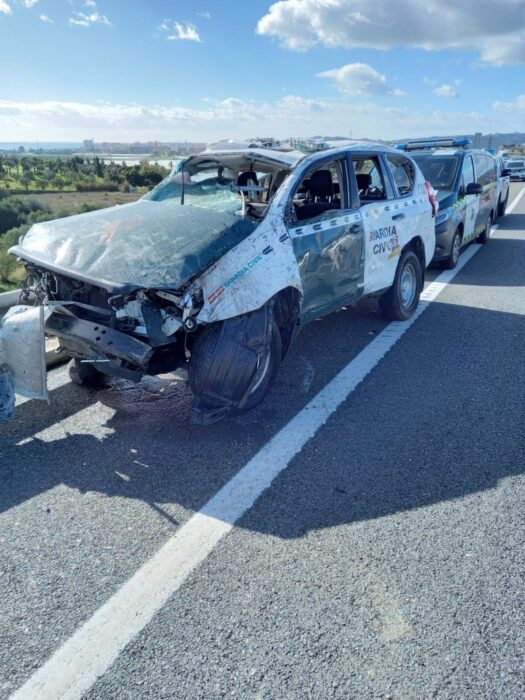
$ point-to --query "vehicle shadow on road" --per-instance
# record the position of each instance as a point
(422, 429)
(506, 258)
(144, 431)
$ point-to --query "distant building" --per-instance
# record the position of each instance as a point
(89, 145)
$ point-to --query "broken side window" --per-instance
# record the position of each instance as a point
(321, 192)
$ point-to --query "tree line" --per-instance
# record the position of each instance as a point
(75, 173)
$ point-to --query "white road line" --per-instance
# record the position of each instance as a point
(87, 655)
(515, 201)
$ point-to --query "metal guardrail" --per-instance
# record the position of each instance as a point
(8, 299)
(53, 358)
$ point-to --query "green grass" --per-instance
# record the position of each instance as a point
(65, 203)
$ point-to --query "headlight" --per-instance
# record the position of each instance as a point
(443, 216)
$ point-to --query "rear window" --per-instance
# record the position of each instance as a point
(440, 171)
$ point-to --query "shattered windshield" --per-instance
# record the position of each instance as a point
(207, 187)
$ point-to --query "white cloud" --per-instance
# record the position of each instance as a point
(446, 91)
(184, 31)
(30, 3)
(5, 8)
(47, 19)
(90, 3)
(206, 15)
(498, 33)
(83, 20)
(359, 79)
(291, 115)
(516, 107)
(429, 81)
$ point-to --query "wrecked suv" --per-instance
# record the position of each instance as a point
(219, 266)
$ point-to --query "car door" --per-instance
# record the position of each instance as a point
(327, 236)
(469, 202)
(384, 218)
(483, 168)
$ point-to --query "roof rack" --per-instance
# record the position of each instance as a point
(419, 144)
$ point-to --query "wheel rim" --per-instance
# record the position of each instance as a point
(455, 249)
(264, 372)
(408, 285)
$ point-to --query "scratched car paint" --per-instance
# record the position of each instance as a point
(218, 268)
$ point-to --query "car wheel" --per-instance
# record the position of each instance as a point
(483, 238)
(503, 206)
(401, 300)
(84, 374)
(204, 350)
(452, 260)
(269, 368)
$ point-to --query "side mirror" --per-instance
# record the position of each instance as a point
(474, 188)
(505, 172)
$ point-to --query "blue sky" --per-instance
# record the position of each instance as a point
(173, 70)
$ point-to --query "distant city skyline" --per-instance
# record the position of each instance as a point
(203, 71)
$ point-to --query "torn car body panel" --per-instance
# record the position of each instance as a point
(250, 274)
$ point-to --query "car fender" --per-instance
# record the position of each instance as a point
(250, 274)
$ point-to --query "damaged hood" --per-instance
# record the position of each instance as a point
(143, 244)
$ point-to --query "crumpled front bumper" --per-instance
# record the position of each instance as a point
(22, 356)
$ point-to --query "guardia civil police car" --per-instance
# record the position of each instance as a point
(467, 191)
(218, 267)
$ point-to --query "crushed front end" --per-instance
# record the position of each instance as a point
(125, 334)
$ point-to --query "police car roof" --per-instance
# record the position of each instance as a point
(350, 146)
(292, 158)
(449, 152)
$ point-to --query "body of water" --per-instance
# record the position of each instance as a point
(39, 145)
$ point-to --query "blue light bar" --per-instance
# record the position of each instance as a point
(436, 143)
(401, 146)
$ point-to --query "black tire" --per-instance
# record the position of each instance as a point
(84, 374)
(272, 370)
(452, 260)
(483, 238)
(502, 206)
(204, 348)
(392, 303)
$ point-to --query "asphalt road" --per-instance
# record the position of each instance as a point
(386, 561)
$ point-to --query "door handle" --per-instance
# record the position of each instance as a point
(398, 216)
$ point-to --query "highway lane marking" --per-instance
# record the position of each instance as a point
(515, 201)
(73, 669)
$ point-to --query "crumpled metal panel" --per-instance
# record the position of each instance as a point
(138, 245)
(250, 274)
(22, 349)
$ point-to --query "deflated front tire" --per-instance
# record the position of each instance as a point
(234, 364)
